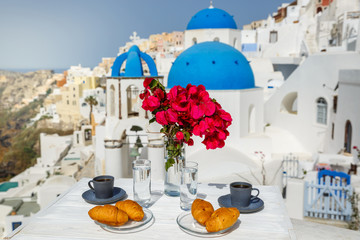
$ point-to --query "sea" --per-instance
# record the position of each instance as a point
(25, 70)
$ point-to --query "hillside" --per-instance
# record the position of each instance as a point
(19, 144)
(16, 87)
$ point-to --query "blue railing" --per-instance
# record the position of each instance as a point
(327, 199)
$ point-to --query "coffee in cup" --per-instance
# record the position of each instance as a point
(240, 194)
(102, 186)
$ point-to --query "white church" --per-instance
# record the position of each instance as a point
(311, 112)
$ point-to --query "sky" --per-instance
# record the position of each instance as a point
(49, 34)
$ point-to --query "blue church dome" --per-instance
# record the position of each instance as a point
(211, 18)
(215, 65)
(133, 67)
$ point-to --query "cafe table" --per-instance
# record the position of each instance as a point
(67, 217)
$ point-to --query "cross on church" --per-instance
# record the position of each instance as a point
(134, 37)
(211, 4)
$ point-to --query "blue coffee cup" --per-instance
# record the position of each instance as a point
(102, 186)
(240, 194)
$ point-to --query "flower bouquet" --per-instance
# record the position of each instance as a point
(184, 113)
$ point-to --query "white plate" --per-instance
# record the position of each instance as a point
(131, 226)
(189, 225)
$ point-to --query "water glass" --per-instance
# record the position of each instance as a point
(188, 186)
(142, 181)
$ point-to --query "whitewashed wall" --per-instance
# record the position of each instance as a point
(347, 109)
(225, 35)
(316, 77)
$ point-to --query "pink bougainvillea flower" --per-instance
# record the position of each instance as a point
(225, 115)
(160, 118)
(180, 135)
(200, 128)
(171, 116)
(145, 94)
(147, 82)
(159, 94)
(151, 103)
(177, 98)
(190, 142)
(221, 135)
(201, 105)
(213, 143)
(187, 110)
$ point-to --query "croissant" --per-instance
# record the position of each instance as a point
(221, 219)
(132, 208)
(201, 210)
(108, 214)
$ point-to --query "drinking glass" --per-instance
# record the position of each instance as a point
(142, 181)
(188, 186)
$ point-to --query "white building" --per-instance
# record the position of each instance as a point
(99, 109)
(77, 71)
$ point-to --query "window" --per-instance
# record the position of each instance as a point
(132, 93)
(15, 225)
(67, 102)
(112, 101)
(216, 39)
(348, 136)
(194, 41)
(335, 103)
(273, 37)
(87, 134)
(252, 116)
(321, 111)
(235, 43)
(332, 130)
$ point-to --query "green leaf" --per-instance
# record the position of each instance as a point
(171, 148)
(169, 163)
(152, 120)
(187, 136)
(153, 83)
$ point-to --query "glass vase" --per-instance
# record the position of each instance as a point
(173, 173)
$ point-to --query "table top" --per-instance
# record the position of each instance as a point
(67, 217)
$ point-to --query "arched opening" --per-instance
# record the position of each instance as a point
(112, 101)
(87, 133)
(289, 103)
(348, 136)
(321, 113)
(235, 42)
(252, 117)
(319, 9)
(132, 93)
(194, 41)
(216, 39)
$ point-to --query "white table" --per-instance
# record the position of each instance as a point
(67, 217)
